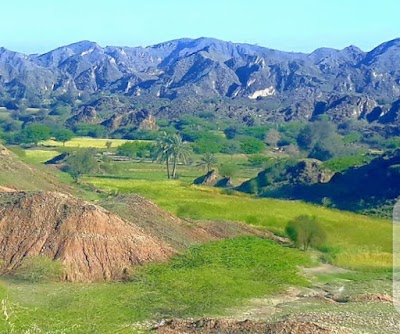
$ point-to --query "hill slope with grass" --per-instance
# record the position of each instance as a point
(17, 175)
(354, 241)
(372, 187)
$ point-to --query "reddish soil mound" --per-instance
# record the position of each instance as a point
(92, 243)
(211, 326)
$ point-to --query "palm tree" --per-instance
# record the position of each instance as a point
(172, 149)
(208, 161)
(179, 150)
(163, 150)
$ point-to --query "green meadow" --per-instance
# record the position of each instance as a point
(354, 241)
(206, 280)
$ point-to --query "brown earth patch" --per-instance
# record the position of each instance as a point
(211, 326)
(92, 243)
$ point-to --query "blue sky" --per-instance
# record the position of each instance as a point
(33, 26)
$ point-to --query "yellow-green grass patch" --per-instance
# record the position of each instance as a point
(353, 234)
(87, 142)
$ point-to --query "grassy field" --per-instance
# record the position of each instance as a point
(206, 280)
(39, 156)
(84, 142)
(359, 241)
(151, 171)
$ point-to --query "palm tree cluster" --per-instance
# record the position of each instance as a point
(171, 149)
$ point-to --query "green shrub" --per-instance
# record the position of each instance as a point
(250, 145)
(39, 269)
(135, 149)
(305, 232)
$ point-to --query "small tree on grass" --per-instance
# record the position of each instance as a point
(228, 170)
(35, 133)
(63, 135)
(305, 232)
(82, 162)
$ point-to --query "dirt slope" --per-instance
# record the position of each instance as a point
(92, 243)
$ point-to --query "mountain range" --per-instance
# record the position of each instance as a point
(275, 85)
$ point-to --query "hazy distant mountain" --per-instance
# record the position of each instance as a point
(343, 83)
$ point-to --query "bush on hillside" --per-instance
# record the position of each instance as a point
(305, 232)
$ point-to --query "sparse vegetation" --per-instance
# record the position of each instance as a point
(80, 163)
(305, 232)
(35, 269)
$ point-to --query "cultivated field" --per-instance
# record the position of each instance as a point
(84, 142)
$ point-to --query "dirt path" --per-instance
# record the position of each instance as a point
(334, 307)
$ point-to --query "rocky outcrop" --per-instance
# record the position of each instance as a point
(85, 114)
(140, 120)
(309, 171)
(92, 243)
(225, 182)
(209, 179)
(288, 173)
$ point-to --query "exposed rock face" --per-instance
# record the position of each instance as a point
(85, 114)
(148, 123)
(225, 182)
(309, 171)
(141, 120)
(210, 179)
(92, 243)
(373, 187)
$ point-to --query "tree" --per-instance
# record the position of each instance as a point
(321, 140)
(231, 132)
(228, 170)
(82, 162)
(63, 135)
(272, 138)
(172, 149)
(35, 133)
(134, 149)
(180, 152)
(231, 147)
(162, 151)
(208, 161)
(250, 145)
(305, 232)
